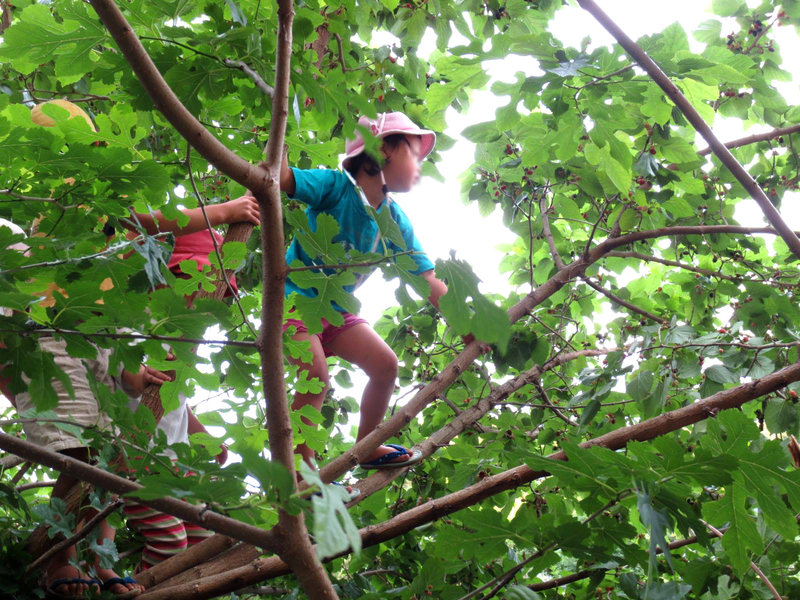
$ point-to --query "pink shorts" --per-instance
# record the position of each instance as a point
(329, 332)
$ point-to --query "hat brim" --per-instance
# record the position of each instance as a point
(428, 139)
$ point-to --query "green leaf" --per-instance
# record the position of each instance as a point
(466, 309)
(37, 37)
(726, 8)
(721, 374)
(334, 529)
(330, 289)
(318, 243)
(639, 387)
(741, 538)
(781, 416)
(656, 520)
(582, 470)
(519, 592)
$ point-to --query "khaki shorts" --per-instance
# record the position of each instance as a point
(83, 408)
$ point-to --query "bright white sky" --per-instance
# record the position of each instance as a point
(443, 223)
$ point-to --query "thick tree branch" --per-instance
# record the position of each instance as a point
(691, 114)
(194, 555)
(108, 481)
(294, 545)
(623, 303)
(165, 100)
(757, 137)
(262, 569)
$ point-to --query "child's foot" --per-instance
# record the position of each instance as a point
(383, 451)
(119, 588)
(75, 584)
(391, 456)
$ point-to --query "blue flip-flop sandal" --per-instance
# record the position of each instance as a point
(384, 462)
(52, 593)
(106, 587)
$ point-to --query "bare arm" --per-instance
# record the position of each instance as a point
(287, 175)
(240, 210)
(438, 287)
(195, 426)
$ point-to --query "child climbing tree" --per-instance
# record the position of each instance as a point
(646, 454)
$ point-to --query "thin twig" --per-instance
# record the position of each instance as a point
(758, 37)
(757, 137)
(247, 70)
(211, 233)
(345, 266)
(131, 336)
(753, 565)
(78, 535)
(549, 234)
(624, 303)
(19, 474)
(54, 263)
(35, 484)
(552, 407)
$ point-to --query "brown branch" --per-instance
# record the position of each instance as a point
(757, 137)
(108, 481)
(552, 407)
(77, 536)
(5, 19)
(260, 83)
(194, 555)
(19, 474)
(232, 576)
(35, 484)
(623, 303)
(719, 149)
(165, 100)
(341, 52)
(293, 543)
(9, 462)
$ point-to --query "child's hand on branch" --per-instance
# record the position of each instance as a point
(222, 457)
(136, 384)
(241, 210)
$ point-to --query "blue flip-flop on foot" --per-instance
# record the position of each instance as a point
(384, 462)
(52, 593)
(106, 587)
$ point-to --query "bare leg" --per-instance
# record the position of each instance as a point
(319, 369)
(363, 347)
(59, 566)
(108, 532)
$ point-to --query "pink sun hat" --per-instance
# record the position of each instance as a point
(388, 124)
